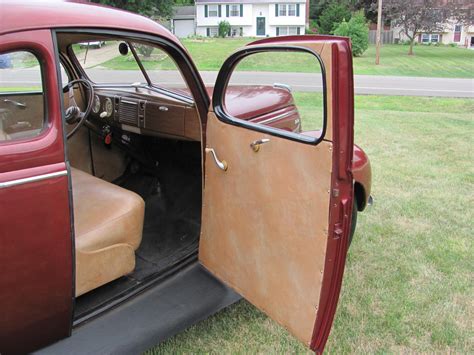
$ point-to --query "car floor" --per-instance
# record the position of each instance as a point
(171, 228)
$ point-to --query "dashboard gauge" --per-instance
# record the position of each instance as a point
(109, 107)
(96, 104)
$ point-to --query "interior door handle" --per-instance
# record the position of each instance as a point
(15, 103)
(221, 164)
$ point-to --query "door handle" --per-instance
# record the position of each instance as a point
(255, 145)
(15, 103)
(221, 164)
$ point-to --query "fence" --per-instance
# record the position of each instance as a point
(387, 36)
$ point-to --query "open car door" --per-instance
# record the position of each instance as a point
(277, 203)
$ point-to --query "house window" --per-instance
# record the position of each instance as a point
(236, 31)
(213, 11)
(212, 31)
(429, 38)
(287, 10)
(288, 30)
(234, 10)
(457, 28)
(291, 10)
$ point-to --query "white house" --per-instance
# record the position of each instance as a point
(252, 18)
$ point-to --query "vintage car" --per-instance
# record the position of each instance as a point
(132, 205)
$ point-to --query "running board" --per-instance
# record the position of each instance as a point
(151, 317)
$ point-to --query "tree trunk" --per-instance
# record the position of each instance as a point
(412, 42)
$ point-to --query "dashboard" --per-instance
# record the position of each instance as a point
(147, 111)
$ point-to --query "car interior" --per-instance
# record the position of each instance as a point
(135, 155)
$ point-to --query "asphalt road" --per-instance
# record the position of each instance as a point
(364, 84)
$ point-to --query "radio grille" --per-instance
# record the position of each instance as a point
(128, 112)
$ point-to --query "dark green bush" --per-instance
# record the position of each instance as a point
(224, 29)
(356, 28)
(333, 15)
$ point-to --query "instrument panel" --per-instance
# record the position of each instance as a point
(147, 112)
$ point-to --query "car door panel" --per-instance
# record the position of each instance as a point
(276, 222)
(244, 203)
(36, 244)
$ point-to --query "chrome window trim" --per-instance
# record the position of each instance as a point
(27, 180)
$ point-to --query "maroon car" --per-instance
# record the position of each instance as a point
(135, 202)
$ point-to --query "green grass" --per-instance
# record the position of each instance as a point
(428, 61)
(408, 281)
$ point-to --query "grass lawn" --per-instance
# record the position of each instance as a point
(408, 282)
(428, 61)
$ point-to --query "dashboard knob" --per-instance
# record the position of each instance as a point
(103, 114)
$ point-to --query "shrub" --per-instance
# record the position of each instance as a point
(356, 28)
(333, 15)
(224, 29)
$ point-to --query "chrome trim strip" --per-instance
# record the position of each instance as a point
(276, 118)
(11, 183)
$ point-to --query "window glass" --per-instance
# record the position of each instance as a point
(234, 10)
(425, 37)
(434, 38)
(213, 31)
(291, 10)
(283, 90)
(21, 96)
(213, 11)
(114, 63)
(282, 10)
(283, 31)
(292, 30)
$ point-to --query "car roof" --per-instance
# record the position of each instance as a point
(18, 15)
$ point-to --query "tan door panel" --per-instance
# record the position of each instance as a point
(265, 221)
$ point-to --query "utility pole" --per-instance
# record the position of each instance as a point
(379, 34)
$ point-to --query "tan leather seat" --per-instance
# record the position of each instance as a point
(108, 224)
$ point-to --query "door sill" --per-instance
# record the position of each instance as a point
(159, 312)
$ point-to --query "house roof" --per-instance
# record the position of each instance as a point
(248, 1)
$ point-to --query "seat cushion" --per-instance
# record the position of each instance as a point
(108, 223)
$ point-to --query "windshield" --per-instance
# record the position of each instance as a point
(118, 62)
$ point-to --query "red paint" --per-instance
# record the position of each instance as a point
(340, 203)
(27, 15)
(251, 101)
(36, 281)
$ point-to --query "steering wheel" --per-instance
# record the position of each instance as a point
(74, 115)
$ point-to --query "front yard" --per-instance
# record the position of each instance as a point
(428, 61)
(408, 282)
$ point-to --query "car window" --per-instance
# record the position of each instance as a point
(22, 113)
(113, 62)
(279, 89)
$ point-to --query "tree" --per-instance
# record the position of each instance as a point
(223, 29)
(356, 28)
(160, 8)
(333, 15)
(417, 16)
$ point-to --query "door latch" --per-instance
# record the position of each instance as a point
(255, 145)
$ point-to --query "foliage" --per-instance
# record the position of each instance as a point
(144, 49)
(356, 28)
(224, 29)
(417, 16)
(159, 8)
(333, 15)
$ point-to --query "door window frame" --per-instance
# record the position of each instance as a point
(223, 80)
